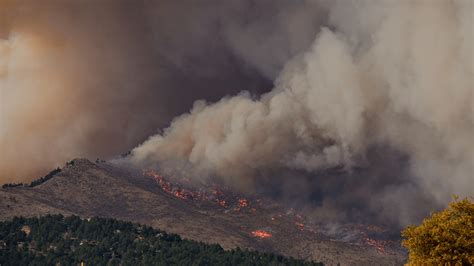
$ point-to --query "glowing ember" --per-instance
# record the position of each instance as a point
(378, 245)
(181, 194)
(243, 203)
(223, 203)
(261, 234)
(165, 185)
(299, 225)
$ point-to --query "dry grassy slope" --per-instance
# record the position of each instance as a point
(88, 189)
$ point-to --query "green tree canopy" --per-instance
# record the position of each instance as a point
(58, 240)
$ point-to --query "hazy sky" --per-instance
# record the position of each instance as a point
(95, 78)
(288, 90)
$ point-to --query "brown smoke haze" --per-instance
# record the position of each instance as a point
(356, 108)
(95, 78)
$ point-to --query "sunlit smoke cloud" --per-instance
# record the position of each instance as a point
(392, 76)
(94, 78)
(371, 112)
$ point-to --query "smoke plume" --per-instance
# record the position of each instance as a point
(375, 117)
(354, 109)
(95, 78)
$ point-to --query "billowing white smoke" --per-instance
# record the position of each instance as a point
(93, 78)
(395, 73)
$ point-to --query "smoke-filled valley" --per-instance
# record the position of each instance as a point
(349, 110)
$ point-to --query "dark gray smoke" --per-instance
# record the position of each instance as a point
(383, 95)
(358, 109)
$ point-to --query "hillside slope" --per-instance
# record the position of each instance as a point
(100, 189)
(58, 240)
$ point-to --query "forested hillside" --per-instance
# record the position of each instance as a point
(54, 239)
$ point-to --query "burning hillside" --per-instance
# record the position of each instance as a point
(212, 194)
(274, 215)
(299, 125)
(337, 106)
(209, 213)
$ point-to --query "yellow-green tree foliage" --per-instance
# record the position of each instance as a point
(445, 238)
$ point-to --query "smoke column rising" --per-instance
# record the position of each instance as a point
(371, 112)
(94, 78)
(393, 76)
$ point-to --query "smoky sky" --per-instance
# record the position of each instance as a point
(95, 78)
(373, 119)
(358, 109)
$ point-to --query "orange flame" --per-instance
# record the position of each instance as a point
(378, 245)
(180, 194)
(243, 203)
(299, 225)
(223, 203)
(216, 195)
(261, 234)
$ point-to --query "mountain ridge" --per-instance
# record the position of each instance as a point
(102, 189)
